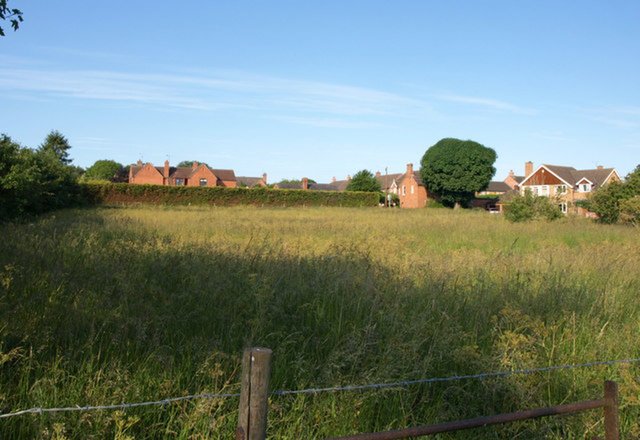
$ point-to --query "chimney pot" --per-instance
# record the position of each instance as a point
(333, 179)
(195, 165)
(139, 162)
(264, 178)
(600, 167)
(378, 174)
(305, 183)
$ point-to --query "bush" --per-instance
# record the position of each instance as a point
(106, 193)
(630, 211)
(530, 207)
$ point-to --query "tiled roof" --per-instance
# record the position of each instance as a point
(227, 175)
(323, 187)
(388, 179)
(249, 181)
(495, 186)
(573, 176)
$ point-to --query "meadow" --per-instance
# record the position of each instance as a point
(111, 305)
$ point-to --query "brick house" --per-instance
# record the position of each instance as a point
(566, 184)
(412, 192)
(195, 175)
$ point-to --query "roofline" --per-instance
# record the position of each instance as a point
(612, 171)
(539, 168)
(584, 178)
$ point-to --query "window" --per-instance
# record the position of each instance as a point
(586, 187)
(203, 182)
(412, 189)
(404, 190)
(179, 182)
(563, 207)
(535, 190)
(561, 189)
(545, 190)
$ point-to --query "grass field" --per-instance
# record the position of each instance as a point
(128, 304)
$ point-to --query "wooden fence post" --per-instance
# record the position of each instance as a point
(254, 392)
(611, 430)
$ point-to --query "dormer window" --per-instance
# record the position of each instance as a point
(203, 182)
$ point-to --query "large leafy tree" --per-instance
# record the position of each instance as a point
(13, 15)
(608, 200)
(57, 145)
(454, 170)
(363, 181)
(189, 163)
(104, 170)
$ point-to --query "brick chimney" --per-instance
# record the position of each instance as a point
(600, 167)
(139, 163)
(528, 168)
(409, 169)
(195, 165)
(166, 169)
(348, 176)
(333, 179)
(378, 174)
(264, 178)
(305, 183)
(511, 173)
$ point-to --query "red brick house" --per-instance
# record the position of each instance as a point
(411, 190)
(195, 175)
(252, 182)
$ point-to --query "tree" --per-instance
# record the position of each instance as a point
(608, 201)
(363, 181)
(104, 170)
(189, 163)
(58, 145)
(454, 170)
(13, 15)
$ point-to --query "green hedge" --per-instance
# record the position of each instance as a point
(116, 193)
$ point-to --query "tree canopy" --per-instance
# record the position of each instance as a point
(363, 181)
(454, 170)
(189, 163)
(612, 202)
(13, 15)
(104, 170)
(57, 145)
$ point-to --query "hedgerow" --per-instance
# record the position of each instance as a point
(117, 193)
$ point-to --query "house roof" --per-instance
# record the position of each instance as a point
(416, 176)
(571, 176)
(497, 186)
(388, 178)
(323, 186)
(227, 175)
(249, 181)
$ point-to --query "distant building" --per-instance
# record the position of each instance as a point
(195, 175)
(412, 191)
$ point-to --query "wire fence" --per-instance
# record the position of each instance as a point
(399, 384)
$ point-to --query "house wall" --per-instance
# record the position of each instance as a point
(230, 183)
(148, 175)
(513, 183)
(416, 198)
(202, 173)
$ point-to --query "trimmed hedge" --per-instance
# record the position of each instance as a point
(116, 193)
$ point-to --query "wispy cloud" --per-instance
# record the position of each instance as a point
(325, 122)
(487, 103)
(624, 117)
(211, 91)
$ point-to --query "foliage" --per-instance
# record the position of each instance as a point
(363, 180)
(454, 170)
(222, 196)
(33, 182)
(529, 207)
(189, 163)
(57, 145)
(630, 211)
(607, 200)
(13, 15)
(103, 306)
(104, 170)
(292, 182)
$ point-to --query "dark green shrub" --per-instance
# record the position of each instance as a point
(108, 193)
(528, 207)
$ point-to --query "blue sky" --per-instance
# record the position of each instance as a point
(324, 89)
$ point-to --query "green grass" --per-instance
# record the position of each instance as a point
(109, 305)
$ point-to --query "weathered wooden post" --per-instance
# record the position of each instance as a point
(611, 430)
(254, 393)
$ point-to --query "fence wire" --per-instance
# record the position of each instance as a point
(399, 384)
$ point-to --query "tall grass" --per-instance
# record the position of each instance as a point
(111, 305)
